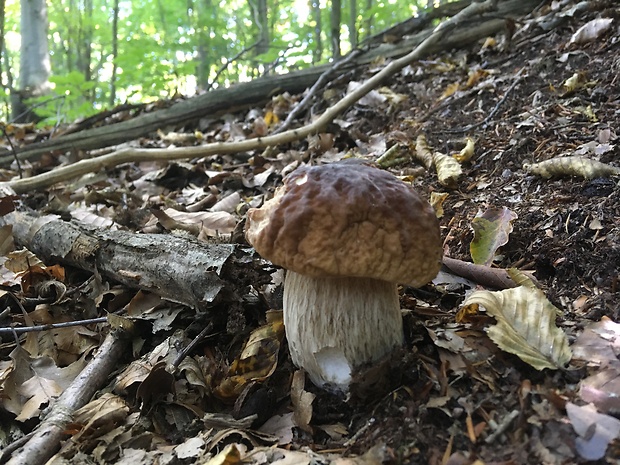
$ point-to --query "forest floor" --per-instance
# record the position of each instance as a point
(453, 396)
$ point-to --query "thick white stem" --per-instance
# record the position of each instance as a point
(334, 325)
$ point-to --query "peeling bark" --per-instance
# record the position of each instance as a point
(180, 269)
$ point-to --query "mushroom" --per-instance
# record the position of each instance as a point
(347, 233)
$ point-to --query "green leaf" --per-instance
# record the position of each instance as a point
(491, 231)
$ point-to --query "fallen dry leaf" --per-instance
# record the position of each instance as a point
(572, 166)
(599, 342)
(595, 430)
(525, 325)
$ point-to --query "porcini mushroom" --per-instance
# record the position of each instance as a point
(347, 234)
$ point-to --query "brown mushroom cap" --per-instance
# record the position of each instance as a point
(348, 220)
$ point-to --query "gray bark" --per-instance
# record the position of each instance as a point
(180, 269)
(34, 62)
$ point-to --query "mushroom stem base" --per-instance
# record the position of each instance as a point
(335, 325)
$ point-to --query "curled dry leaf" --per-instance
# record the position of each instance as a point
(572, 166)
(213, 223)
(599, 343)
(602, 388)
(525, 324)
(302, 402)
(491, 231)
(466, 152)
(423, 153)
(437, 200)
(448, 169)
(256, 362)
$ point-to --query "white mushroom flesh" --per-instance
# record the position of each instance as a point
(334, 325)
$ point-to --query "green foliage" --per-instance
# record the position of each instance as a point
(68, 101)
(176, 46)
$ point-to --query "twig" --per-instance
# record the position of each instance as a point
(168, 154)
(39, 104)
(46, 439)
(201, 335)
(315, 88)
(495, 109)
(8, 450)
(503, 426)
(13, 152)
(228, 62)
(66, 324)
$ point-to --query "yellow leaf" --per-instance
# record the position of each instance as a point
(525, 324)
(437, 200)
(256, 362)
(491, 231)
(229, 456)
(271, 118)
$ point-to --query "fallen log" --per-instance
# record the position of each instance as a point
(178, 268)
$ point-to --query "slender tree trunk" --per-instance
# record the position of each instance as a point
(353, 36)
(35, 68)
(317, 51)
(2, 4)
(335, 21)
(114, 53)
(262, 22)
(368, 19)
(87, 40)
(206, 14)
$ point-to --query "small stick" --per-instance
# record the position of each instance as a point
(66, 324)
(497, 278)
(321, 81)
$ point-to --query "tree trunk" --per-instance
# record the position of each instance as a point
(317, 51)
(179, 269)
(335, 18)
(262, 22)
(353, 23)
(114, 53)
(86, 36)
(35, 68)
(368, 19)
(2, 28)
(204, 9)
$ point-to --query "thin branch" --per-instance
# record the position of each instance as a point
(66, 324)
(228, 62)
(13, 152)
(46, 439)
(207, 329)
(321, 81)
(497, 278)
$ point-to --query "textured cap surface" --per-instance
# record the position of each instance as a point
(348, 220)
